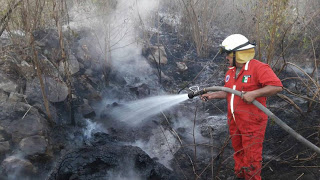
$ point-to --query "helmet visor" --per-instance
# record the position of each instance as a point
(223, 50)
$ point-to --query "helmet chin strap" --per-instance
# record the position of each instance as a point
(234, 59)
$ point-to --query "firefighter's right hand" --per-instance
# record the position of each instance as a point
(205, 97)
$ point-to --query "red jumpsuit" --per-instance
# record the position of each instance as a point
(247, 123)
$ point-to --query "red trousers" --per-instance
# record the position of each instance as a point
(247, 135)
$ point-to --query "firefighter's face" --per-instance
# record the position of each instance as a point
(230, 60)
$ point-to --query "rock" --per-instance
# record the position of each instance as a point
(72, 64)
(9, 67)
(6, 84)
(33, 146)
(88, 72)
(48, 66)
(111, 161)
(27, 69)
(86, 90)
(182, 66)
(87, 111)
(3, 96)
(20, 121)
(4, 136)
(153, 54)
(214, 127)
(13, 165)
(48, 38)
(142, 90)
(161, 145)
(117, 78)
(30, 125)
(56, 90)
(101, 138)
(16, 97)
(33, 91)
(11, 111)
(34, 97)
(165, 77)
(83, 55)
(4, 147)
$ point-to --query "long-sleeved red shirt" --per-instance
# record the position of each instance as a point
(253, 75)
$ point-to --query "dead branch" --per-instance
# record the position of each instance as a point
(39, 74)
(306, 166)
(298, 95)
(313, 81)
(194, 138)
(58, 8)
(5, 19)
(290, 101)
(29, 28)
(171, 129)
(219, 154)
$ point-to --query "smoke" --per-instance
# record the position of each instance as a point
(162, 145)
(17, 167)
(128, 175)
(185, 121)
(116, 38)
(116, 33)
(91, 128)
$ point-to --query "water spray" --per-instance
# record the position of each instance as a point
(195, 91)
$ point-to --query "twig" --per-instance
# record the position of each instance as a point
(5, 19)
(193, 167)
(315, 70)
(300, 176)
(26, 112)
(193, 135)
(307, 159)
(198, 144)
(303, 97)
(213, 159)
(290, 101)
(302, 29)
(211, 138)
(315, 83)
(171, 129)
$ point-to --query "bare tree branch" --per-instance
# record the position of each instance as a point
(5, 19)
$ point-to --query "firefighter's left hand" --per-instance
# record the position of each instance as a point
(248, 97)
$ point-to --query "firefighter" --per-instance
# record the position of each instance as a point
(247, 124)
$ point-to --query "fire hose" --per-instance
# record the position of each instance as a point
(277, 120)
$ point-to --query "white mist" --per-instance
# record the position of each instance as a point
(91, 128)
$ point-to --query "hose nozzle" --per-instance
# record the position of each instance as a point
(191, 95)
(195, 91)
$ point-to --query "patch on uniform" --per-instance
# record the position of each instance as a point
(227, 78)
(246, 78)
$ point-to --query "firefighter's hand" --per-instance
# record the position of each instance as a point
(248, 97)
(205, 97)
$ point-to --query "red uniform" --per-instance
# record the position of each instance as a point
(246, 122)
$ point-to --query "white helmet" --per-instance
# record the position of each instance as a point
(235, 42)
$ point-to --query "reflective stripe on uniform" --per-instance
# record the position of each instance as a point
(231, 103)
